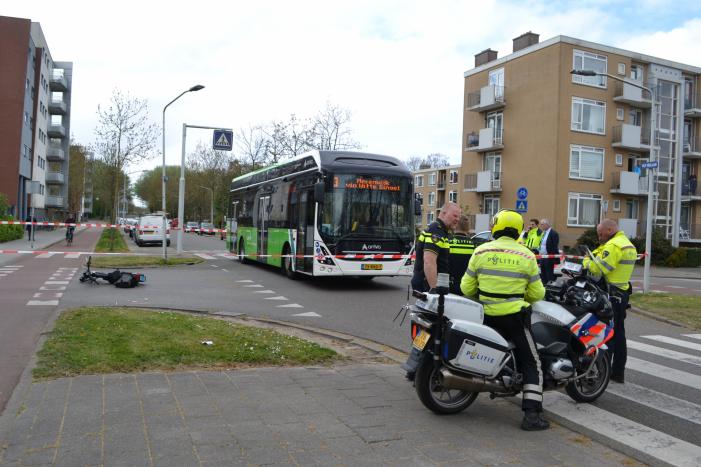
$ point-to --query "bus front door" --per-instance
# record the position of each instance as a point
(263, 216)
(305, 231)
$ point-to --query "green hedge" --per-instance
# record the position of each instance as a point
(8, 232)
(684, 258)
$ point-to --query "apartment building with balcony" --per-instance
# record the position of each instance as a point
(577, 144)
(35, 102)
(434, 187)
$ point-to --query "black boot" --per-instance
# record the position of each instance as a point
(534, 421)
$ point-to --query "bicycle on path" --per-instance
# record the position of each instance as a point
(70, 229)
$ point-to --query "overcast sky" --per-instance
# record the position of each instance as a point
(396, 65)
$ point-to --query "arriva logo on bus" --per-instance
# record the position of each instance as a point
(367, 247)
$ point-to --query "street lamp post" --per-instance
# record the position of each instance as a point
(197, 87)
(650, 177)
(124, 209)
(211, 204)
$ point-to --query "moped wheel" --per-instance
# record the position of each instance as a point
(436, 398)
(593, 384)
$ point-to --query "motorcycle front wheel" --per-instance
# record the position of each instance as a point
(436, 398)
(591, 386)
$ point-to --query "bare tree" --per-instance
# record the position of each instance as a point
(330, 129)
(276, 142)
(436, 160)
(414, 163)
(251, 144)
(124, 135)
(297, 138)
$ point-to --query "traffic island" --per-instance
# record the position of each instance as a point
(142, 261)
(94, 340)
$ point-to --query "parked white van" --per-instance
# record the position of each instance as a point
(150, 230)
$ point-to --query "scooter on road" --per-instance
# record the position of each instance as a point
(120, 279)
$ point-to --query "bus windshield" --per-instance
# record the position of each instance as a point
(367, 207)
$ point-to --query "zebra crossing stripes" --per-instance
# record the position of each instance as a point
(658, 401)
(664, 372)
(662, 352)
(673, 341)
(693, 336)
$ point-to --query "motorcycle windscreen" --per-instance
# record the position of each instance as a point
(591, 332)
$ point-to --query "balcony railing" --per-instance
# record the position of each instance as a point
(691, 147)
(628, 183)
(633, 137)
(58, 80)
(483, 182)
(57, 106)
(690, 188)
(690, 232)
(57, 131)
(487, 140)
(53, 201)
(488, 98)
(54, 152)
(632, 95)
(54, 177)
(692, 105)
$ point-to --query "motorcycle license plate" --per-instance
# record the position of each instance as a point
(371, 267)
(421, 339)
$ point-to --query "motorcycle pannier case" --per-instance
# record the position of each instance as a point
(591, 332)
(475, 348)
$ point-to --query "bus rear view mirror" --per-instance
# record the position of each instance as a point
(319, 190)
(417, 207)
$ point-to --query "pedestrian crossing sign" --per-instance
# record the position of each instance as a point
(222, 140)
(522, 205)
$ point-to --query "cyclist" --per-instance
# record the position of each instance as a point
(70, 228)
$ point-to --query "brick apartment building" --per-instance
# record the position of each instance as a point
(35, 108)
(577, 143)
(436, 186)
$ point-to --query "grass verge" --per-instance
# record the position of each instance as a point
(684, 309)
(111, 241)
(136, 261)
(95, 340)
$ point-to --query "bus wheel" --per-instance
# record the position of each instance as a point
(287, 263)
(242, 253)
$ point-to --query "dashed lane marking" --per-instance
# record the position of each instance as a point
(276, 298)
(225, 270)
(60, 287)
(263, 291)
(673, 341)
(253, 285)
(56, 282)
(55, 294)
(204, 256)
(662, 352)
(290, 305)
(309, 314)
(245, 280)
(42, 303)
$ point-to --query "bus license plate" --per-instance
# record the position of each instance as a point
(371, 267)
(421, 339)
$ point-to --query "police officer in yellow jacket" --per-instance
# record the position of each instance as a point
(615, 260)
(461, 249)
(433, 249)
(504, 277)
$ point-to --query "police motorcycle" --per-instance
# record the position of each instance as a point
(455, 356)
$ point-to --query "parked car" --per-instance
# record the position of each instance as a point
(191, 226)
(129, 226)
(482, 237)
(150, 230)
(206, 228)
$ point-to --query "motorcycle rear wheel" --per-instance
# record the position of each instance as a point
(436, 398)
(590, 387)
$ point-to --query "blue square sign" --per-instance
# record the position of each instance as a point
(222, 140)
(522, 205)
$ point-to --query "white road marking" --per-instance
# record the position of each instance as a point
(658, 291)
(56, 282)
(290, 305)
(55, 294)
(276, 298)
(204, 256)
(673, 341)
(214, 265)
(42, 303)
(675, 287)
(67, 269)
(245, 280)
(662, 352)
(596, 422)
(310, 314)
(253, 285)
(48, 254)
(225, 270)
(263, 291)
(13, 266)
(663, 372)
(659, 401)
(693, 336)
(63, 287)
(72, 255)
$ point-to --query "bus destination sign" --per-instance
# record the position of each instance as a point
(368, 184)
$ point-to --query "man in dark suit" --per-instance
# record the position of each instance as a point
(549, 245)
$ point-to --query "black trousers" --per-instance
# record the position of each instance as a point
(513, 328)
(547, 270)
(618, 349)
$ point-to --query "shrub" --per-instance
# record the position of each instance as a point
(661, 247)
(693, 257)
(677, 259)
(8, 232)
(589, 238)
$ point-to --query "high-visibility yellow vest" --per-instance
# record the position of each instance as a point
(504, 276)
(615, 260)
(533, 239)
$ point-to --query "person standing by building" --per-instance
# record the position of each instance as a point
(615, 259)
(549, 245)
(533, 236)
(461, 249)
(433, 249)
(503, 276)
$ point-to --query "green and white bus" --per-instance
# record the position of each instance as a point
(326, 213)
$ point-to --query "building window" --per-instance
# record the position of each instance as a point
(432, 179)
(589, 61)
(586, 163)
(619, 159)
(491, 205)
(453, 196)
(419, 181)
(588, 115)
(583, 209)
(622, 69)
(431, 199)
(620, 114)
(616, 205)
(636, 72)
(430, 217)
(453, 176)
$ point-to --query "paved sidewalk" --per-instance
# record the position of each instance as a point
(344, 415)
(674, 273)
(42, 240)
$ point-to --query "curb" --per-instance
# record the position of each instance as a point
(651, 315)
